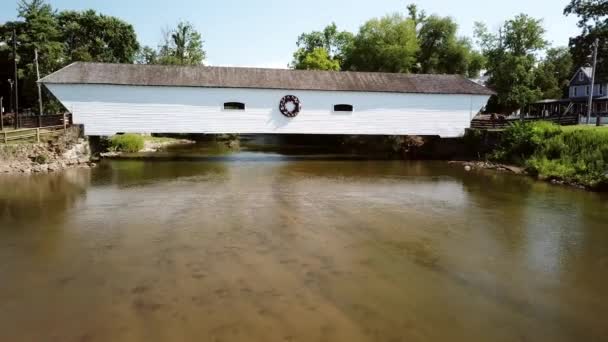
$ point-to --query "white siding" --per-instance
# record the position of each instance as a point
(108, 109)
(581, 90)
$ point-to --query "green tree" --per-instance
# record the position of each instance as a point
(511, 59)
(146, 55)
(418, 16)
(318, 59)
(553, 73)
(89, 36)
(336, 45)
(182, 46)
(441, 51)
(593, 20)
(38, 31)
(388, 44)
(592, 13)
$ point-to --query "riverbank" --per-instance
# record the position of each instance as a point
(573, 155)
(57, 153)
(118, 145)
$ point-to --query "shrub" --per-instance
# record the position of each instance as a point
(520, 140)
(579, 156)
(129, 143)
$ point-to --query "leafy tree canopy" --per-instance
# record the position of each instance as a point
(182, 45)
(318, 59)
(511, 60)
(442, 52)
(388, 44)
(394, 43)
(593, 20)
(89, 36)
(591, 13)
(336, 45)
(60, 39)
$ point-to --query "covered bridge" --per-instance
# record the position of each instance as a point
(113, 98)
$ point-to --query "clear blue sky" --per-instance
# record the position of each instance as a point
(263, 32)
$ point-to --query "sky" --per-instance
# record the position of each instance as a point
(263, 33)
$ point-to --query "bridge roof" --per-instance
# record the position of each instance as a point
(231, 77)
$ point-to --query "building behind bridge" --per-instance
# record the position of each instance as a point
(577, 102)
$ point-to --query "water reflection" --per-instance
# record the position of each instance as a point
(40, 197)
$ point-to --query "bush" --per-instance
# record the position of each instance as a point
(579, 156)
(129, 143)
(522, 139)
(573, 154)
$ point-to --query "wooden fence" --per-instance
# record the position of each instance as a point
(30, 133)
(34, 121)
(486, 122)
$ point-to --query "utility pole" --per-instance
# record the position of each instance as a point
(16, 79)
(10, 107)
(590, 104)
(1, 113)
(39, 89)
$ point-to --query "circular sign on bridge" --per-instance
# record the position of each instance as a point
(290, 106)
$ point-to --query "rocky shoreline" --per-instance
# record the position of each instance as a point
(63, 152)
(486, 165)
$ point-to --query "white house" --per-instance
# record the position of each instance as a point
(112, 98)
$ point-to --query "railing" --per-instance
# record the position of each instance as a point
(486, 122)
(28, 133)
(33, 121)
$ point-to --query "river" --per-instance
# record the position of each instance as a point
(265, 245)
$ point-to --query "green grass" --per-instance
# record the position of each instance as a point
(584, 128)
(575, 154)
(129, 143)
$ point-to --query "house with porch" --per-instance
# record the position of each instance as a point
(578, 98)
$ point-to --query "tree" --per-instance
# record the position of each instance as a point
(60, 39)
(414, 14)
(89, 36)
(442, 52)
(388, 44)
(182, 46)
(511, 59)
(318, 59)
(146, 55)
(39, 31)
(553, 73)
(592, 13)
(593, 20)
(335, 44)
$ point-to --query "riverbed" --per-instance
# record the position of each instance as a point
(212, 244)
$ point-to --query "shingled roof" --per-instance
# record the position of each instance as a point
(228, 77)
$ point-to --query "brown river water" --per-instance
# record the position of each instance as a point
(210, 245)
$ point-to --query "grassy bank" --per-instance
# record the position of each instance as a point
(133, 143)
(127, 143)
(575, 154)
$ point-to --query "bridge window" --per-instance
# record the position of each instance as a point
(343, 108)
(234, 106)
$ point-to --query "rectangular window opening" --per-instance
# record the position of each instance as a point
(234, 106)
(343, 108)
